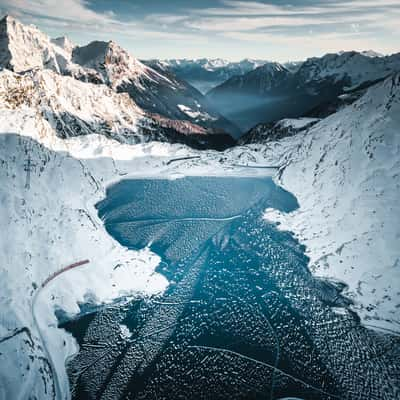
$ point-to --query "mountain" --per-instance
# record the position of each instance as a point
(74, 108)
(263, 95)
(262, 80)
(161, 93)
(68, 131)
(292, 66)
(24, 48)
(205, 74)
(273, 131)
(351, 68)
(317, 84)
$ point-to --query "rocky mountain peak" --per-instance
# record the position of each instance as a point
(113, 62)
(24, 47)
(64, 43)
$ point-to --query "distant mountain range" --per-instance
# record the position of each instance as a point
(205, 74)
(272, 91)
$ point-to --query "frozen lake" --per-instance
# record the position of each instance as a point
(242, 318)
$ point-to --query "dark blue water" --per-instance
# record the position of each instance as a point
(242, 318)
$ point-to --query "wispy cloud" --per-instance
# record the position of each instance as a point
(246, 16)
(241, 24)
(339, 24)
(242, 8)
(224, 27)
(67, 11)
(77, 16)
(248, 8)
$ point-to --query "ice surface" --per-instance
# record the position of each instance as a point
(242, 317)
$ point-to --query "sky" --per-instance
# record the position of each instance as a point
(279, 30)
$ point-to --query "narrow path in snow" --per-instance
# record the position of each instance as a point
(50, 278)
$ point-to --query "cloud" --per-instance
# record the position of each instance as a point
(72, 11)
(242, 8)
(76, 16)
(245, 16)
(247, 24)
(227, 26)
(248, 8)
(333, 25)
(165, 18)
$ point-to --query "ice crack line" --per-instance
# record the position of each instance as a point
(234, 353)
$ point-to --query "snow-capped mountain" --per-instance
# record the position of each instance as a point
(155, 92)
(259, 96)
(64, 43)
(273, 131)
(260, 81)
(25, 47)
(351, 68)
(205, 73)
(372, 53)
(292, 66)
(74, 108)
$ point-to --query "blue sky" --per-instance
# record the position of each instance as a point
(278, 30)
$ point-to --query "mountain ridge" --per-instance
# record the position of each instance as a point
(318, 80)
(205, 73)
(25, 48)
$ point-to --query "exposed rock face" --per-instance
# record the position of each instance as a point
(274, 131)
(25, 47)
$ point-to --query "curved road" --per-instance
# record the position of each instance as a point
(56, 384)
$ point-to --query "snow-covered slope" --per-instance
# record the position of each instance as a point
(75, 108)
(47, 225)
(345, 173)
(273, 131)
(114, 64)
(64, 43)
